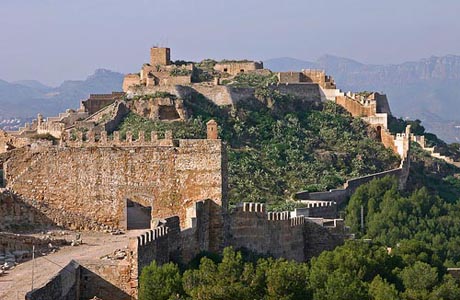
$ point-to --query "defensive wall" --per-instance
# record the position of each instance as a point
(306, 91)
(307, 76)
(96, 102)
(237, 67)
(316, 209)
(17, 212)
(400, 144)
(357, 109)
(85, 279)
(96, 177)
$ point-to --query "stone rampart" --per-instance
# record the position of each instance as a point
(18, 213)
(96, 102)
(350, 186)
(273, 233)
(96, 178)
(86, 279)
(315, 209)
(64, 286)
(237, 67)
(105, 279)
(356, 108)
(305, 91)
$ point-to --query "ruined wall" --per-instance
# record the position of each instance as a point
(86, 279)
(319, 77)
(96, 178)
(224, 95)
(9, 141)
(289, 77)
(308, 76)
(96, 102)
(106, 279)
(64, 286)
(18, 213)
(159, 108)
(234, 68)
(130, 80)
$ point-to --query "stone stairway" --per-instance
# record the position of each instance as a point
(421, 141)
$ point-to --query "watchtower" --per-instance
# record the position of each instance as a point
(160, 56)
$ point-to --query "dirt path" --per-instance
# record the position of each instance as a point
(18, 281)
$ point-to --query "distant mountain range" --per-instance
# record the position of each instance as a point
(24, 99)
(427, 89)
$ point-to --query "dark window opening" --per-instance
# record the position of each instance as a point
(225, 69)
(2, 179)
(379, 133)
(242, 70)
(138, 216)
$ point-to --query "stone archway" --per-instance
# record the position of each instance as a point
(137, 211)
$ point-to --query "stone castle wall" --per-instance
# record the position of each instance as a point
(96, 178)
(305, 91)
(234, 68)
(356, 108)
(17, 213)
(251, 227)
(85, 279)
(64, 286)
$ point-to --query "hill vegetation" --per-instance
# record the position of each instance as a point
(355, 271)
(278, 146)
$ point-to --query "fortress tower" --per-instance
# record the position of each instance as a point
(160, 56)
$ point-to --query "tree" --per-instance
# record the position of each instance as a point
(380, 289)
(160, 282)
(419, 279)
(287, 280)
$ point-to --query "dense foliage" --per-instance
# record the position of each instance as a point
(278, 149)
(424, 219)
(357, 270)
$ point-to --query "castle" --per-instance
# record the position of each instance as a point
(88, 177)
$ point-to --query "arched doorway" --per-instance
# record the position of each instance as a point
(138, 212)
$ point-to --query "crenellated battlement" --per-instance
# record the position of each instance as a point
(254, 207)
(297, 221)
(279, 216)
(90, 139)
(152, 235)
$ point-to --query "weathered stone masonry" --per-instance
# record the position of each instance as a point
(93, 181)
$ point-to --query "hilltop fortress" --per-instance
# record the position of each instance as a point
(77, 172)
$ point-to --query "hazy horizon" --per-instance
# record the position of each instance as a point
(51, 41)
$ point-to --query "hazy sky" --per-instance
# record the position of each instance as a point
(54, 40)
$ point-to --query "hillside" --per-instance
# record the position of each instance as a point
(277, 151)
(426, 89)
